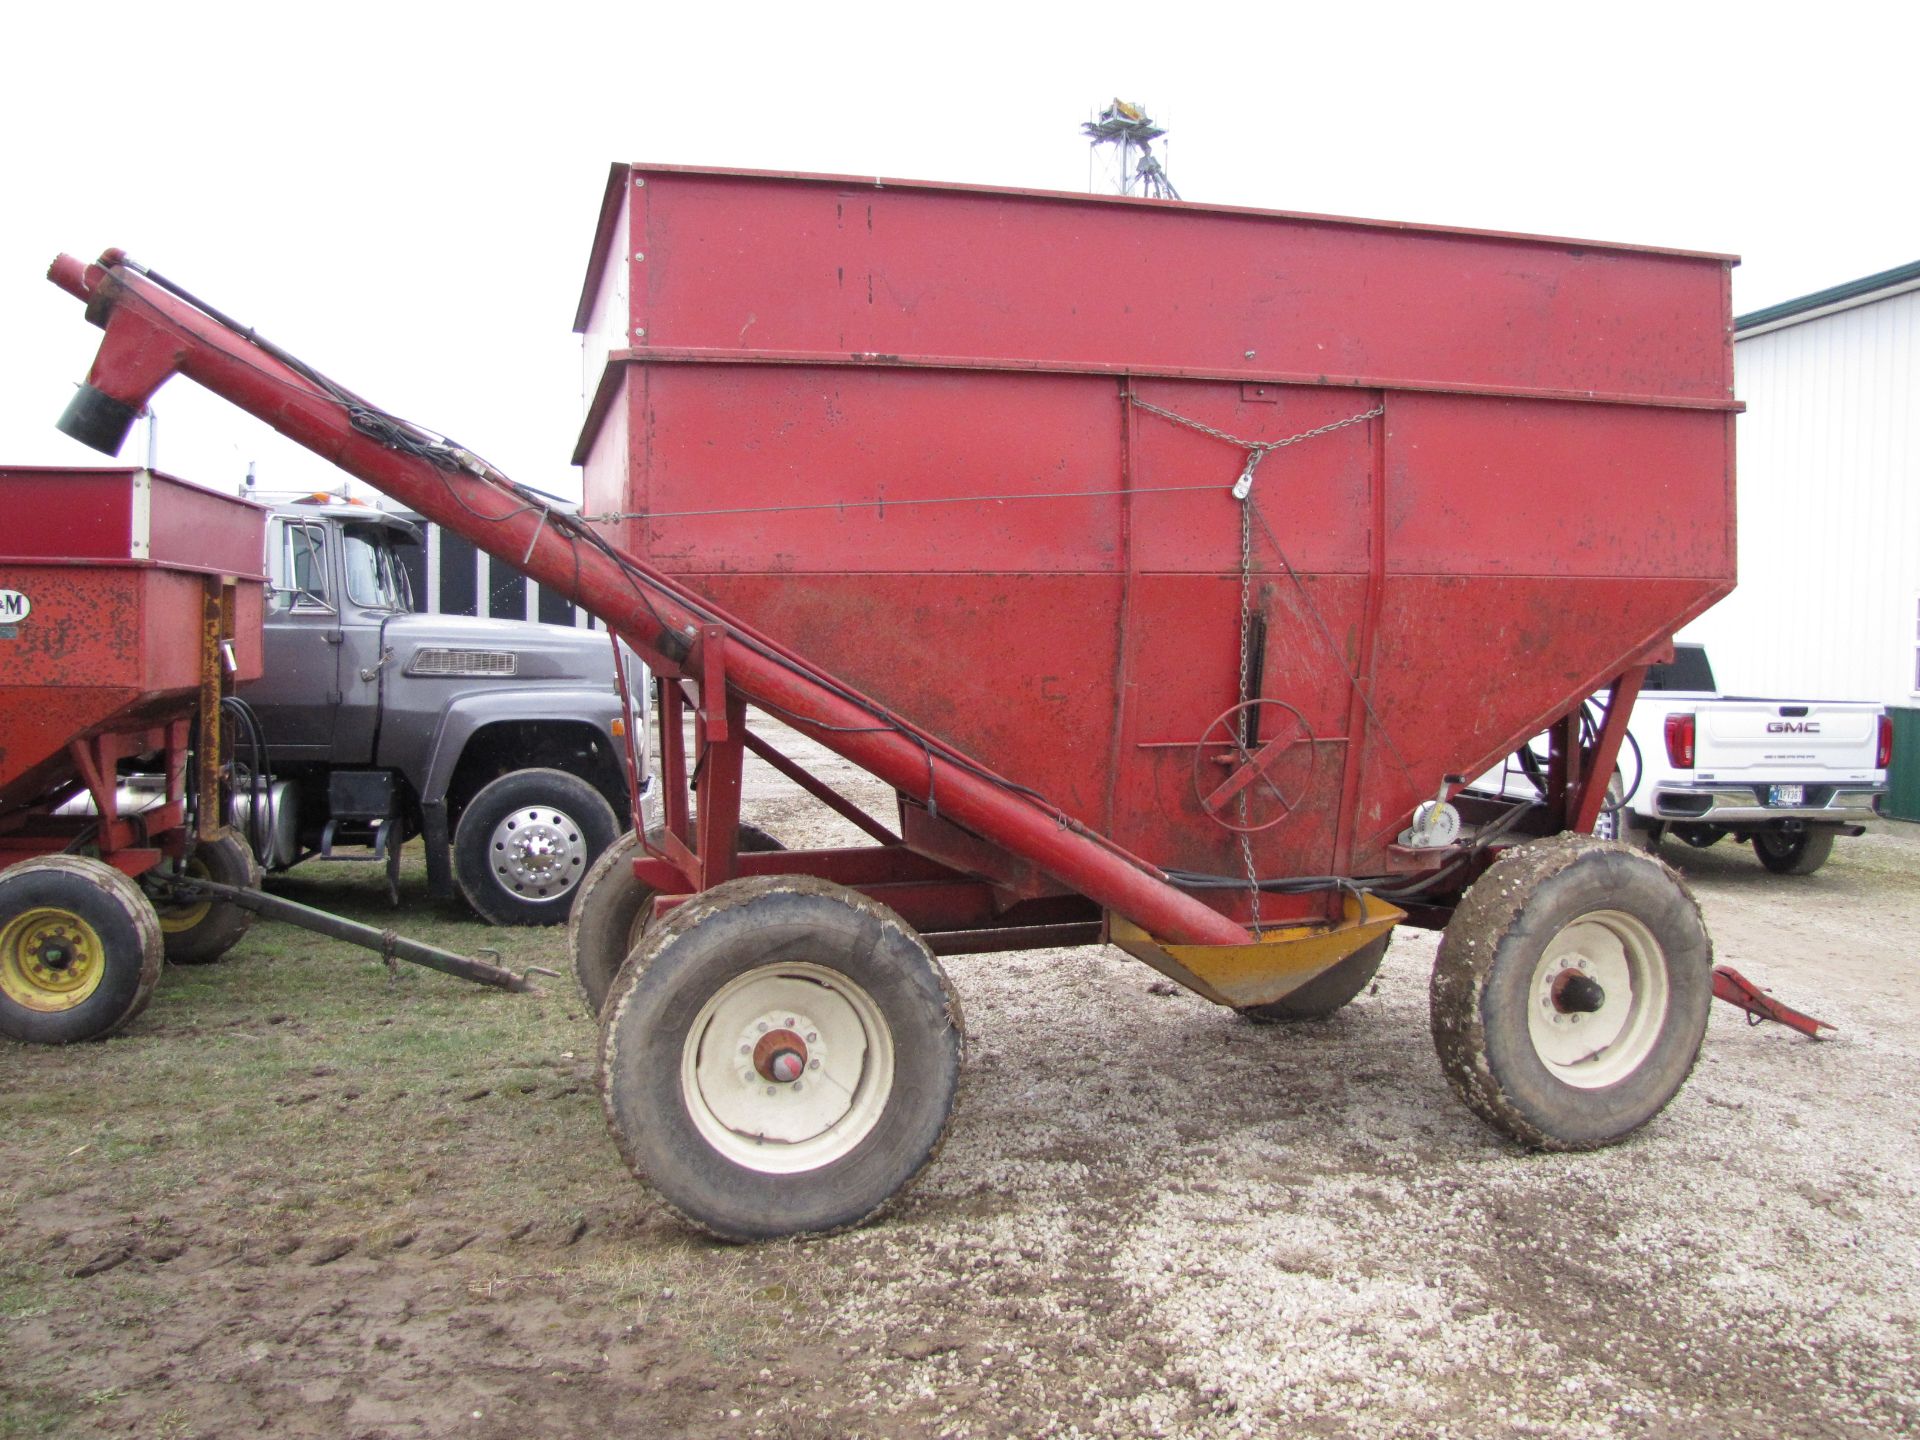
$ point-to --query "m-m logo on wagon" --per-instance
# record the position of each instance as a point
(14, 607)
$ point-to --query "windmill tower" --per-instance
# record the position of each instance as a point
(1124, 135)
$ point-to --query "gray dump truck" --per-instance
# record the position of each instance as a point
(500, 742)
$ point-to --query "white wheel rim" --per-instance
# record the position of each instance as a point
(1591, 1048)
(739, 1078)
(537, 853)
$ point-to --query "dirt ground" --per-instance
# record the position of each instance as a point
(302, 1199)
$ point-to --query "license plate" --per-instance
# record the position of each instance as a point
(1786, 795)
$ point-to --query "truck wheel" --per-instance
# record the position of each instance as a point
(79, 950)
(1571, 991)
(525, 842)
(1610, 823)
(610, 911)
(781, 1058)
(1328, 991)
(1793, 854)
(199, 932)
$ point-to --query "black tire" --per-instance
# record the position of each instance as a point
(669, 1058)
(526, 841)
(1594, 905)
(1800, 853)
(79, 950)
(1327, 992)
(610, 911)
(198, 933)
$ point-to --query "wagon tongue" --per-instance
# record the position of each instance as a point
(1733, 987)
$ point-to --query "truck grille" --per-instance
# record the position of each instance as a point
(464, 662)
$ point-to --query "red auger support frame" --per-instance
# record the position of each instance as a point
(152, 334)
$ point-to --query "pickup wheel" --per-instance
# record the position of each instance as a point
(1793, 854)
(526, 841)
(198, 932)
(1571, 991)
(611, 908)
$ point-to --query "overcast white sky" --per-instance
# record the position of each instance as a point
(405, 196)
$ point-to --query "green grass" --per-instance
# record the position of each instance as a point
(297, 1076)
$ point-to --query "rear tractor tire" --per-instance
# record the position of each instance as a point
(611, 908)
(781, 1059)
(1328, 992)
(1800, 853)
(526, 841)
(198, 932)
(80, 950)
(1571, 991)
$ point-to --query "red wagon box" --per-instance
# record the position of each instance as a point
(969, 447)
(111, 567)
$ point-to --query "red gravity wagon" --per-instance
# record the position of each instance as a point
(130, 603)
(1172, 563)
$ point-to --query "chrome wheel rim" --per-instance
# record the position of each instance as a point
(537, 853)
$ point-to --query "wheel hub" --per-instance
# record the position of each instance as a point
(538, 853)
(50, 960)
(1598, 999)
(1577, 993)
(781, 1056)
(787, 1068)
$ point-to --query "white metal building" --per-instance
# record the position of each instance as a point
(1828, 604)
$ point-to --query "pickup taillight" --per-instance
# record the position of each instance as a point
(1883, 752)
(1680, 741)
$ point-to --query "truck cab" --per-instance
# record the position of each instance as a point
(501, 742)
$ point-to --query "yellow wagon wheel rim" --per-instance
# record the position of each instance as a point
(177, 918)
(50, 959)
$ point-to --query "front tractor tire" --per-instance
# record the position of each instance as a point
(1570, 994)
(525, 842)
(80, 950)
(780, 1059)
(198, 932)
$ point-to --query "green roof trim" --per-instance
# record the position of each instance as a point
(1820, 299)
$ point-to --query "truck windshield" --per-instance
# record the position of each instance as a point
(375, 580)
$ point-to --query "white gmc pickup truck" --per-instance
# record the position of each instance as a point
(1787, 775)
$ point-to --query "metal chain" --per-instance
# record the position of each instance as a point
(1260, 448)
(1257, 450)
(1245, 491)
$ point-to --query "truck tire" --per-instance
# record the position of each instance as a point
(1793, 854)
(782, 1058)
(1328, 992)
(1571, 991)
(200, 932)
(79, 950)
(526, 841)
(610, 912)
